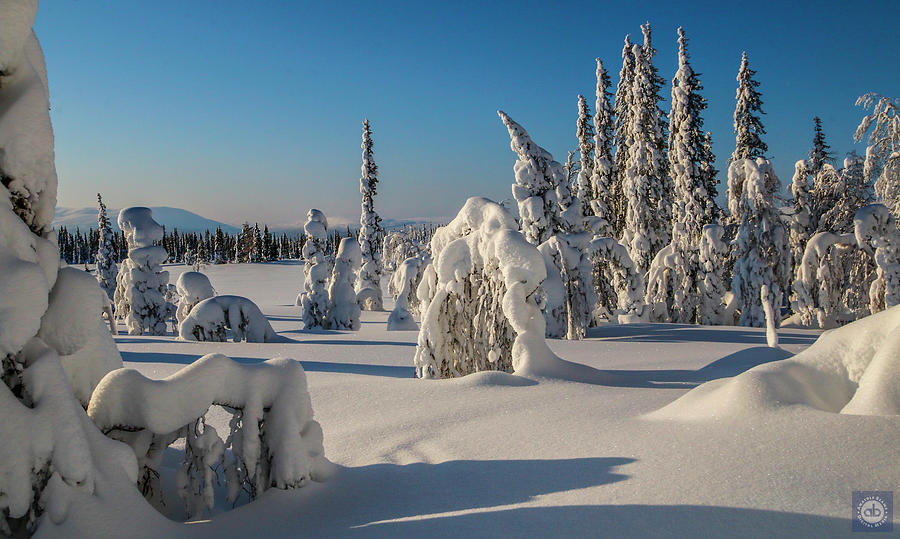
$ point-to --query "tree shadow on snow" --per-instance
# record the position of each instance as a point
(387, 371)
(361, 496)
(726, 367)
(687, 521)
(689, 333)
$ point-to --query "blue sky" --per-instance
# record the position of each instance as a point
(252, 110)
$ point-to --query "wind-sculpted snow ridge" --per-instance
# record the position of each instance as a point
(851, 370)
(210, 318)
(483, 315)
(275, 441)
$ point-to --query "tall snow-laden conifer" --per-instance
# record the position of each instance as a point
(645, 182)
(107, 271)
(819, 154)
(693, 208)
(801, 226)
(370, 232)
(748, 127)
(603, 177)
(535, 189)
(584, 130)
(622, 110)
(760, 258)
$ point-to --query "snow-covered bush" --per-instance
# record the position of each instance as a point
(405, 281)
(535, 190)
(313, 301)
(273, 438)
(368, 286)
(883, 152)
(398, 246)
(877, 233)
(713, 253)
(569, 296)
(483, 315)
(343, 309)
(208, 320)
(817, 286)
(760, 250)
(107, 270)
(142, 283)
(192, 287)
(613, 265)
(53, 345)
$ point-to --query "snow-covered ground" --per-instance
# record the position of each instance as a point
(496, 455)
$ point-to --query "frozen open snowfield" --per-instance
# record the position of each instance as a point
(492, 454)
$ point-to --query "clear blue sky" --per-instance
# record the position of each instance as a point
(252, 110)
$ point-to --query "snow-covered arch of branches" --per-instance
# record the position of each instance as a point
(192, 288)
(613, 266)
(209, 319)
(482, 314)
(275, 441)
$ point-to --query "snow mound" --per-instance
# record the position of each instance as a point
(209, 319)
(851, 370)
(493, 379)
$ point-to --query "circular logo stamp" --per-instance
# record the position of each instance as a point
(872, 511)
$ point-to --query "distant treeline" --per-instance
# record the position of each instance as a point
(251, 244)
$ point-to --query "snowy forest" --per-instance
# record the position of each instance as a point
(533, 367)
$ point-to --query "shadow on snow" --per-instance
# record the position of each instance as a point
(689, 333)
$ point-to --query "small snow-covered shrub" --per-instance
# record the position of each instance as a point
(192, 288)
(142, 284)
(209, 319)
(623, 302)
(343, 310)
(877, 233)
(273, 438)
(313, 301)
(569, 293)
(483, 314)
(405, 281)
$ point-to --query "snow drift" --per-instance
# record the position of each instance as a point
(851, 370)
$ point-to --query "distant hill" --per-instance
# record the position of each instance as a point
(183, 220)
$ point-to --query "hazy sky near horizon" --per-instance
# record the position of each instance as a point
(252, 110)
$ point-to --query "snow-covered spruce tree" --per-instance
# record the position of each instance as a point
(646, 181)
(483, 314)
(313, 301)
(820, 153)
(142, 283)
(603, 177)
(760, 243)
(713, 252)
(570, 298)
(694, 208)
(54, 347)
(584, 131)
(398, 245)
(877, 233)
(343, 310)
(368, 286)
(801, 225)
(883, 152)
(622, 110)
(748, 128)
(107, 270)
(535, 189)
